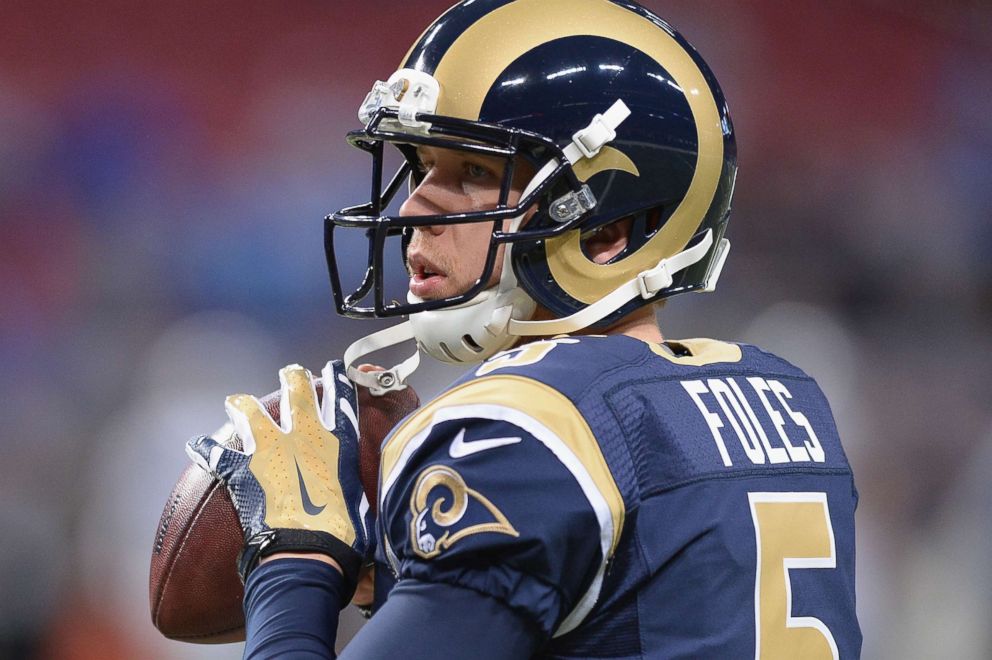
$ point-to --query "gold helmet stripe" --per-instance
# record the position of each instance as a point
(476, 59)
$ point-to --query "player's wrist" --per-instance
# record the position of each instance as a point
(273, 542)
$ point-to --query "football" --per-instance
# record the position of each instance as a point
(194, 589)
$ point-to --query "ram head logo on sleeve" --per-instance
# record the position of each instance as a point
(439, 504)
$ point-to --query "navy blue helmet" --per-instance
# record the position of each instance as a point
(619, 116)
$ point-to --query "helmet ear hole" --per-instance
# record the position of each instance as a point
(619, 238)
(608, 242)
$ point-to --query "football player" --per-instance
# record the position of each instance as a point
(588, 488)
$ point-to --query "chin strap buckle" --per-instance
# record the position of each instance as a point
(600, 131)
(573, 204)
(650, 282)
(653, 280)
(381, 382)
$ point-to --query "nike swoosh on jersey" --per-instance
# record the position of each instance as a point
(308, 505)
(459, 448)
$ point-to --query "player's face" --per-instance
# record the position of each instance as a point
(446, 260)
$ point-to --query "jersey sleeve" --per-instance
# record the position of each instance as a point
(500, 487)
(474, 626)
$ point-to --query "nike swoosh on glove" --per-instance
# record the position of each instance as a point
(296, 485)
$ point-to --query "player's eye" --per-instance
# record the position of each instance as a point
(477, 171)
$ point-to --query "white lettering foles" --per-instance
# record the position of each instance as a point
(725, 404)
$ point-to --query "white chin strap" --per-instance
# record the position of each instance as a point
(493, 320)
(381, 382)
(646, 285)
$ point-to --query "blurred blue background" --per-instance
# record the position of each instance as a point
(164, 169)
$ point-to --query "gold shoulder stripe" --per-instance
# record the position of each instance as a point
(702, 352)
(533, 399)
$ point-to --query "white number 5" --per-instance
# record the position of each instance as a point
(792, 530)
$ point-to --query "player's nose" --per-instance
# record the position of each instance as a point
(429, 198)
(415, 207)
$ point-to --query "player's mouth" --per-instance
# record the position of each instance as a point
(426, 278)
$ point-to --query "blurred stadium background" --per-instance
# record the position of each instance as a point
(164, 168)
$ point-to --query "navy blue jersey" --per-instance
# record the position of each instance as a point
(634, 500)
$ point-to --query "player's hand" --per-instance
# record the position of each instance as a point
(295, 486)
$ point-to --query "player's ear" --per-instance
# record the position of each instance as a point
(608, 241)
